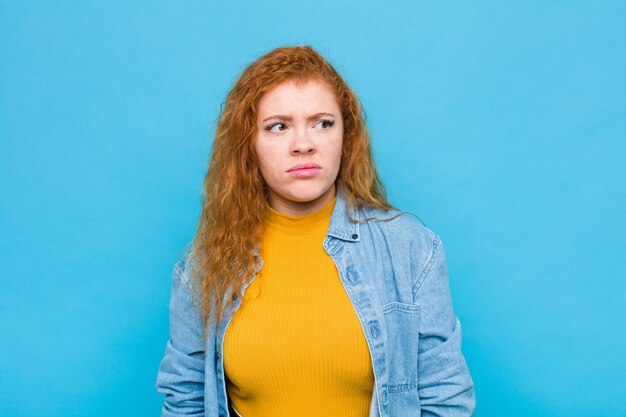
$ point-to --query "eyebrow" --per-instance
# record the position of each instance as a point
(289, 118)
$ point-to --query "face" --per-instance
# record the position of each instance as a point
(299, 145)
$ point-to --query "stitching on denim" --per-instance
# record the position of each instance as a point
(332, 247)
(428, 268)
(180, 265)
(400, 387)
(394, 306)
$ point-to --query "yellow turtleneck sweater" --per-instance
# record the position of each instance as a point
(295, 345)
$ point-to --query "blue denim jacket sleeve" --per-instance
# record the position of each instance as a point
(444, 384)
(181, 373)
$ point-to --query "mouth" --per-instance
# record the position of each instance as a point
(304, 166)
(308, 171)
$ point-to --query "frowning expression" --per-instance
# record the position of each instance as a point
(298, 145)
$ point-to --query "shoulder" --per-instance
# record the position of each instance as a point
(405, 235)
(399, 224)
(182, 267)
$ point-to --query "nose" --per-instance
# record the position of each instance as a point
(302, 143)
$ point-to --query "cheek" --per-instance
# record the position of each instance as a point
(267, 159)
(261, 153)
(338, 148)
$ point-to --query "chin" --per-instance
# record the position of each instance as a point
(304, 198)
(309, 194)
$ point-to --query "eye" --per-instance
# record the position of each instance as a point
(271, 127)
(329, 123)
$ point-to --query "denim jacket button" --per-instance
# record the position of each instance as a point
(374, 330)
(217, 356)
(355, 236)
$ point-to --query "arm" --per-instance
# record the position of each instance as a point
(181, 373)
(444, 382)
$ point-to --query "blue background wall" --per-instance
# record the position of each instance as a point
(502, 125)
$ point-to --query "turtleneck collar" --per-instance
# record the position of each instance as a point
(301, 225)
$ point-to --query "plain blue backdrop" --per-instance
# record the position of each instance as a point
(502, 125)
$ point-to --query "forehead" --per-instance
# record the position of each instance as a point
(291, 96)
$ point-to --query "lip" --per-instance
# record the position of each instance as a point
(306, 165)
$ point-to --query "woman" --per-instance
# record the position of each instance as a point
(332, 302)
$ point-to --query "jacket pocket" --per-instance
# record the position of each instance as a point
(402, 321)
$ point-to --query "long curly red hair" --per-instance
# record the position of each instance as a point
(234, 192)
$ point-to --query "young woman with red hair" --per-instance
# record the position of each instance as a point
(304, 292)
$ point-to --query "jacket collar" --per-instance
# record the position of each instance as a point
(341, 226)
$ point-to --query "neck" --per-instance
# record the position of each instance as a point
(301, 208)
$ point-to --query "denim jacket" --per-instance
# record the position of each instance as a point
(396, 277)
